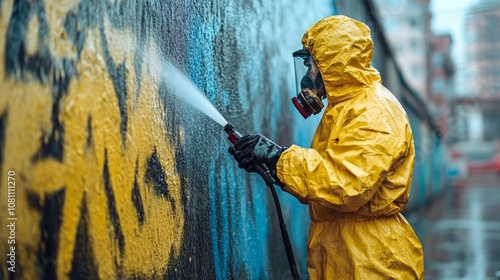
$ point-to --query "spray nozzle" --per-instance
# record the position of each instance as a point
(261, 169)
(229, 128)
(234, 135)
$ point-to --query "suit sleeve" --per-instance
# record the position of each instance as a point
(348, 173)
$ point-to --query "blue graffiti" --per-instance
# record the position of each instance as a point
(238, 220)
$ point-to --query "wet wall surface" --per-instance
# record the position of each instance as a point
(114, 177)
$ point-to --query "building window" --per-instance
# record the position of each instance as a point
(415, 46)
(438, 86)
(415, 71)
(396, 4)
(437, 60)
(391, 23)
(414, 22)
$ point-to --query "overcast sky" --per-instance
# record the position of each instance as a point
(448, 16)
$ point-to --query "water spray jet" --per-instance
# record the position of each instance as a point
(184, 88)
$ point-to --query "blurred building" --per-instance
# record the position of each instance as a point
(481, 106)
(441, 78)
(407, 27)
(424, 58)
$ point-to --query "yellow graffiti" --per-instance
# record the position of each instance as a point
(27, 106)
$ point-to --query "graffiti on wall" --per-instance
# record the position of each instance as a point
(98, 194)
(115, 178)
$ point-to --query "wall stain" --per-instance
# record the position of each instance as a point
(137, 200)
(156, 178)
(52, 213)
(119, 78)
(83, 265)
(3, 118)
(75, 32)
(112, 211)
(89, 132)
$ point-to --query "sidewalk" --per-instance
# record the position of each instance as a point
(460, 231)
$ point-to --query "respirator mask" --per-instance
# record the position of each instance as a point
(310, 87)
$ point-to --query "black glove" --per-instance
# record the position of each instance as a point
(256, 149)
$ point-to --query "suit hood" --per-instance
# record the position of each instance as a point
(343, 49)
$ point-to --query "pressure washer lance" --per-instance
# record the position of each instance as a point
(263, 171)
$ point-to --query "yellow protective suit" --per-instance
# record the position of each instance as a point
(357, 174)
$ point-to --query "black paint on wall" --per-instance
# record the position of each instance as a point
(12, 276)
(113, 212)
(137, 199)
(40, 65)
(157, 179)
(89, 132)
(54, 146)
(75, 34)
(167, 24)
(34, 200)
(119, 77)
(192, 166)
(175, 121)
(195, 258)
(61, 78)
(3, 120)
(50, 225)
(15, 55)
(83, 265)
(147, 20)
(170, 272)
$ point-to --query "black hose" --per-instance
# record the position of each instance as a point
(263, 171)
(284, 234)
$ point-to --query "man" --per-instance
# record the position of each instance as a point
(357, 174)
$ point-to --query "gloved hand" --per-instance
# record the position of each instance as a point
(255, 149)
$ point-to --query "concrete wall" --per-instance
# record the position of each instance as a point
(111, 176)
(105, 173)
